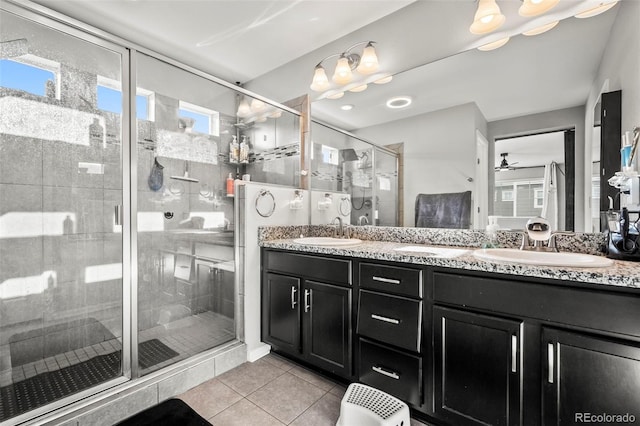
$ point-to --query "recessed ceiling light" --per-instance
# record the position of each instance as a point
(399, 102)
(346, 107)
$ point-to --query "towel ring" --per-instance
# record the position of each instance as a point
(345, 206)
(264, 193)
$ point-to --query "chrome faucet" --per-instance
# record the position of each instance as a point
(539, 231)
(363, 219)
(341, 231)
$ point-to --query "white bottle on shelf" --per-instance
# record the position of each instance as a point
(234, 150)
(244, 150)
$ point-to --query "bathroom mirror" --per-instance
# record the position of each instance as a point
(500, 93)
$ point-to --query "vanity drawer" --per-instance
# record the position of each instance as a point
(391, 279)
(313, 267)
(390, 319)
(391, 371)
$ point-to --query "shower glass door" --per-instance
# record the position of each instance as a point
(61, 247)
(186, 292)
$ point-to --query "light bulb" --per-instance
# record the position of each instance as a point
(541, 29)
(384, 80)
(243, 109)
(256, 105)
(603, 7)
(494, 45)
(536, 7)
(360, 88)
(320, 81)
(368, 61)
(342, 74)
(487, 18)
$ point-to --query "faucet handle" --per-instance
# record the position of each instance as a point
(525, 241)
(552, 238)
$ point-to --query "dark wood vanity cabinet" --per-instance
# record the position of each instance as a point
(306, 309)
(461, 347)
(587, 375)
(389, 328)
(477, 366)
(512, 351)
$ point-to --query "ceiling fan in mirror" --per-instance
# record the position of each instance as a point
(504, 164)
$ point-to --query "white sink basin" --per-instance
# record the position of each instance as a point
(434, 251)
(327, 241)
(542, 258)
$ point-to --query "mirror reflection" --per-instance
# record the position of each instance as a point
(471, 103)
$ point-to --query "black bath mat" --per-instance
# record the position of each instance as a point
(39, 343)
(154, 352)
(172, 412)
(44, 388)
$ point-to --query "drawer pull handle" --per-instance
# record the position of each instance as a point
(386, 373)
(386, 280)
(293, 297)
(385, 319)
(514, 353)
(550, 361)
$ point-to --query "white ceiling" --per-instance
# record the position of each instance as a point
(272, 46)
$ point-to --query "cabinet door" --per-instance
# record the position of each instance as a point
(327, 327)
(589, 376)
(281, 313)
(477, 368)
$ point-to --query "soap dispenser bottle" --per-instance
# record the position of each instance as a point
(492, 233)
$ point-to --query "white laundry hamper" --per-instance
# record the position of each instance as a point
(363, 405)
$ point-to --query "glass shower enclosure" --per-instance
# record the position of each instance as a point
(118, 241)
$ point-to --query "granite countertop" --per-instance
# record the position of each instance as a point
(621, 273)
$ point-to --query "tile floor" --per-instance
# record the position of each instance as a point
(272, 391)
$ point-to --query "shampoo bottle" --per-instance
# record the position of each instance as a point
(234, 150)
(230, 185)
(244, 150)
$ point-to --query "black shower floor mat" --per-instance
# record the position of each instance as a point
(44, 388)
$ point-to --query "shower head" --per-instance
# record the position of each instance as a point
(14, 48)
(349, 154)
(185, 177)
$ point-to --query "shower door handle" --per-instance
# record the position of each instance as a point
(118, 214)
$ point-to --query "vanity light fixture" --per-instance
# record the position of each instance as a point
(494, 45)
(384, 80)
(360, 88)
(244, 109)
(531, 8)
(488, 17)
(541, 29)
(597, 10)
(336, 95)
(399, 102)
(347, 63)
